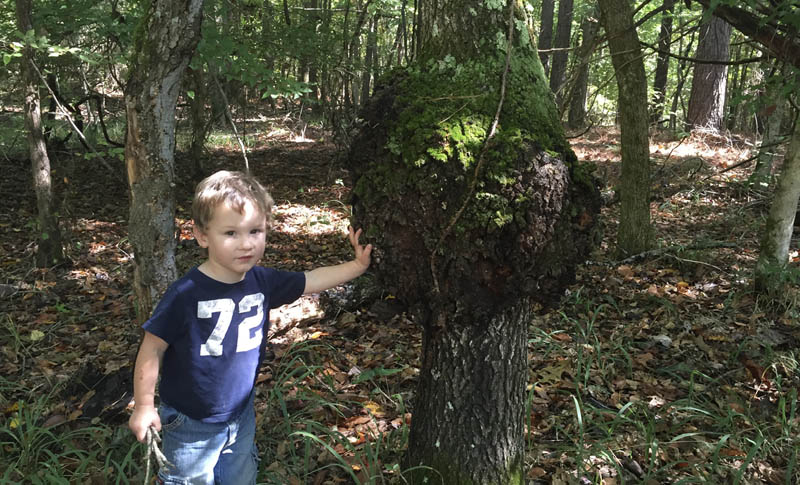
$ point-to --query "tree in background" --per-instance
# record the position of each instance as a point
(634, 233)
(662, 63)
(577, 105)
(558, 72)
(545, 41)
(49, 250)
(165, 42)
(707, 98)
(478, 207)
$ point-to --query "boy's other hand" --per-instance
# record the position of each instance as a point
(363, 253)
(142, 418)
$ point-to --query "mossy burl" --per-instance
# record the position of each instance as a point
(423, 133)
(434, 129)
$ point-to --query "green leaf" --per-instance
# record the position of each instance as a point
(190, 94)
(6, 58)
(36, 335)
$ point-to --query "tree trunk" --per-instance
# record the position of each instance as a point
(370, 59)
(682, 69)
(707, 98)
(201, 123)
(662, 63)
(472, 385)
(496, 213)
(563, 35)
(634, 234)
(769, 147)
(577, 104)
(172, 32)
(546, 34)
(774, 250)
(49, 251)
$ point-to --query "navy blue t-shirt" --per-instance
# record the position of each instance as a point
(215, 332)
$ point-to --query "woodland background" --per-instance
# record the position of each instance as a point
(673, 362)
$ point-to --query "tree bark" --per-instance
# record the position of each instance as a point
(577, 104)
(774, 250)
(662, 63)
(768, 149)
(634, 234)
(472, 383)
(49, 251)
(546, 34)
(495, 214)
(563, 35)
(707, 98)
(167, 39)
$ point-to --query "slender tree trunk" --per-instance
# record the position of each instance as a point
(560, 57)
(370, 59)
(201, 123)
(774, 250)
(577, 104)
(707, 98)
(546, 34)
(662, 63)
(49, 251)
(634, 235)
(735, 88)
(681, 73)
(172, 32)
(768, 149)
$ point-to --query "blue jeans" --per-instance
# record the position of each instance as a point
(209, 453)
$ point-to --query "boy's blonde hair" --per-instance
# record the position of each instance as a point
(234, 188)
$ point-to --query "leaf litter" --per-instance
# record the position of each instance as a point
(652, 369)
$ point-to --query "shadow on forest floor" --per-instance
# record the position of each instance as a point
(654, 369)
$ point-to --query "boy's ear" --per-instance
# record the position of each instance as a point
(200, 236)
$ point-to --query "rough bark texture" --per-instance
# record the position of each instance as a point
(662, 63)
(634, 232)
(774, 251)
(165, 42)
(577, 103)
(563, 34)
(49, 251)
(707, 98)
(473, 380)
(470, 229)
(546, 34)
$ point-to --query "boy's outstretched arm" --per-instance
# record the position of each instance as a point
(145, 375)
(329, 276)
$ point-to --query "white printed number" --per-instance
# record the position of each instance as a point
(247, 340)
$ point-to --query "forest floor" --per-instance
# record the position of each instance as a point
(659, 368)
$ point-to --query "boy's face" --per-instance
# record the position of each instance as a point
(235, 241)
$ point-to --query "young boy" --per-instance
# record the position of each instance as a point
(206, 336)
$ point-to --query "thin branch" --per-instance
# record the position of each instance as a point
(484, 148)
(704, 61)
(229, 116)
(783, 47)
(75, 128)
(674, 249)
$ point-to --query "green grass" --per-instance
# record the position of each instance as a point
(710, 433)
